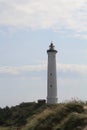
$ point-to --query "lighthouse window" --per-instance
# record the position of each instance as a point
(50, 74)
(51, 85)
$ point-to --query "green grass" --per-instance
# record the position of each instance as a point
(4, 128)
(34, 116)
(58, 117)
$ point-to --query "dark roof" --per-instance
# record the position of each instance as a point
(51, 50)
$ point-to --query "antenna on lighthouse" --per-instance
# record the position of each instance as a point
(51, 46)
(51, 75)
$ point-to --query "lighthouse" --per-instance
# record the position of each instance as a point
(51, 75)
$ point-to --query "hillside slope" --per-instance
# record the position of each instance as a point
(34, 116)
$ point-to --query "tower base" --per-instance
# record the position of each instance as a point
(52, 100)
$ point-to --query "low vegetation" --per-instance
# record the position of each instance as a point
(35, 116)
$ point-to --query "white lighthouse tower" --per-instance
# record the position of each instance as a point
(52, 76)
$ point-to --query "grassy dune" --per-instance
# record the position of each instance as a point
(33, 116)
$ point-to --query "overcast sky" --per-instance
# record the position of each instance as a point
(26, 29)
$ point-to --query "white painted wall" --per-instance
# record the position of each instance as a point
(52, 78)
